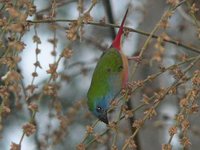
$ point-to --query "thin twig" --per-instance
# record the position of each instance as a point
(171, 41)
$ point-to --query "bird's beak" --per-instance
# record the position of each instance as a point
(104, 118)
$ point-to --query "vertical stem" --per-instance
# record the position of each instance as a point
(110, 16)
(131, 120)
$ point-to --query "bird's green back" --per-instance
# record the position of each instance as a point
(106, 76)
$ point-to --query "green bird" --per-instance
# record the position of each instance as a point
(109, 77)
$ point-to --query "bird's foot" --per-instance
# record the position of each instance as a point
(137, 59)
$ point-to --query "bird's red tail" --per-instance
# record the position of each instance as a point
(117, 41)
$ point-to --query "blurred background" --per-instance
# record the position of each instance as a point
(63, 119)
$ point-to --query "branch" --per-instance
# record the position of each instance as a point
(59, 4)
(174, 42)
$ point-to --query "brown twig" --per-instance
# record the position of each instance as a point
(171, 41)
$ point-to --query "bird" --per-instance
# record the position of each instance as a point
(109, 77)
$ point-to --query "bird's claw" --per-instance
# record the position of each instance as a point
(138, 59)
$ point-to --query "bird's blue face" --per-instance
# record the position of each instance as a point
(101, 104)
(101, 108)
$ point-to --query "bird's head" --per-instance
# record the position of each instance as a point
(99, 109)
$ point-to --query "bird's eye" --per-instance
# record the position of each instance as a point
(99, 109)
